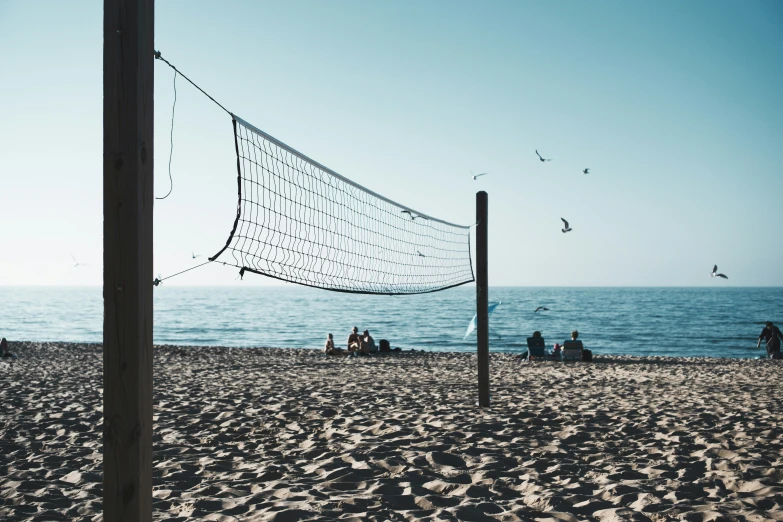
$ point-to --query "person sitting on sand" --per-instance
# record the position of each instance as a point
(368, 343)
(330, 349)
(575, 344)
(354, 340)
(4, 349)
(536, 341)
(773, 336)
(556, 350)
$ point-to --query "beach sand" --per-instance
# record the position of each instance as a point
(283, 434)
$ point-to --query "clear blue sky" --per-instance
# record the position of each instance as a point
(675, 107)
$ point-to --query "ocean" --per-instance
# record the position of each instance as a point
(712, 322)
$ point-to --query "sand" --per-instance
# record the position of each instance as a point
(282, 434)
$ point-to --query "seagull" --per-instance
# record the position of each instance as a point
(477, 175)
(542, 159)
(586, 171)
(420, 254)
(76, 263)
(567, 228)
(541, 308)
(715, 273)
(195, 255)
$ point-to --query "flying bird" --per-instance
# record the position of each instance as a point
(541, 308)
(567, 228)
(586, 171)
(542, 159)
(195, 255)
(715, 273)
(76, 263)
(420, 254)
(477, 175)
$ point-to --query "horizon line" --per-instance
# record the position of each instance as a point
(294, 285)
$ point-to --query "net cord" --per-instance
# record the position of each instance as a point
(347, 291)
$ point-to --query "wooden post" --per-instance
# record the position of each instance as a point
(482, 299)
(128, 30)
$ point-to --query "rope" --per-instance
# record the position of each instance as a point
(499, 337)
(171, 137)
(158, 56)
(159, 280)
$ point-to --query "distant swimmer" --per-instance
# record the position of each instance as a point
(567, 228)
(477, 175)
(586, 171)
(542, 159)
(715, 273)
(541, 308)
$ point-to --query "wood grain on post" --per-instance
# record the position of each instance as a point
(482, 299)
(128, 31)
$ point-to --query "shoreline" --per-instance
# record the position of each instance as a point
(292, 434)
(597, 357)
(633, 322)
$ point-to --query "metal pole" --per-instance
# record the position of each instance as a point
(482, 299)
(128, 31)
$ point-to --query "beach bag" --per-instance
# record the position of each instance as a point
(384, 345)
(587, 355)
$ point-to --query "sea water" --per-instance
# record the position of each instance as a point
(712, 322)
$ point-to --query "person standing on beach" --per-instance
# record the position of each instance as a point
(354, 340)
(4, 349)
(773, 336)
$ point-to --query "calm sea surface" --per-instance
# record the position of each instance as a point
(714, 322)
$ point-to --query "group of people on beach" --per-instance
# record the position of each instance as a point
(557, 349)
(363, 344)
(771, 334)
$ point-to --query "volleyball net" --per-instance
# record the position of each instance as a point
(301, 222)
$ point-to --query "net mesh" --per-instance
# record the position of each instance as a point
(300, 222)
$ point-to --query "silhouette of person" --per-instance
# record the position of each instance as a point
(773, 336)
(4, 349)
